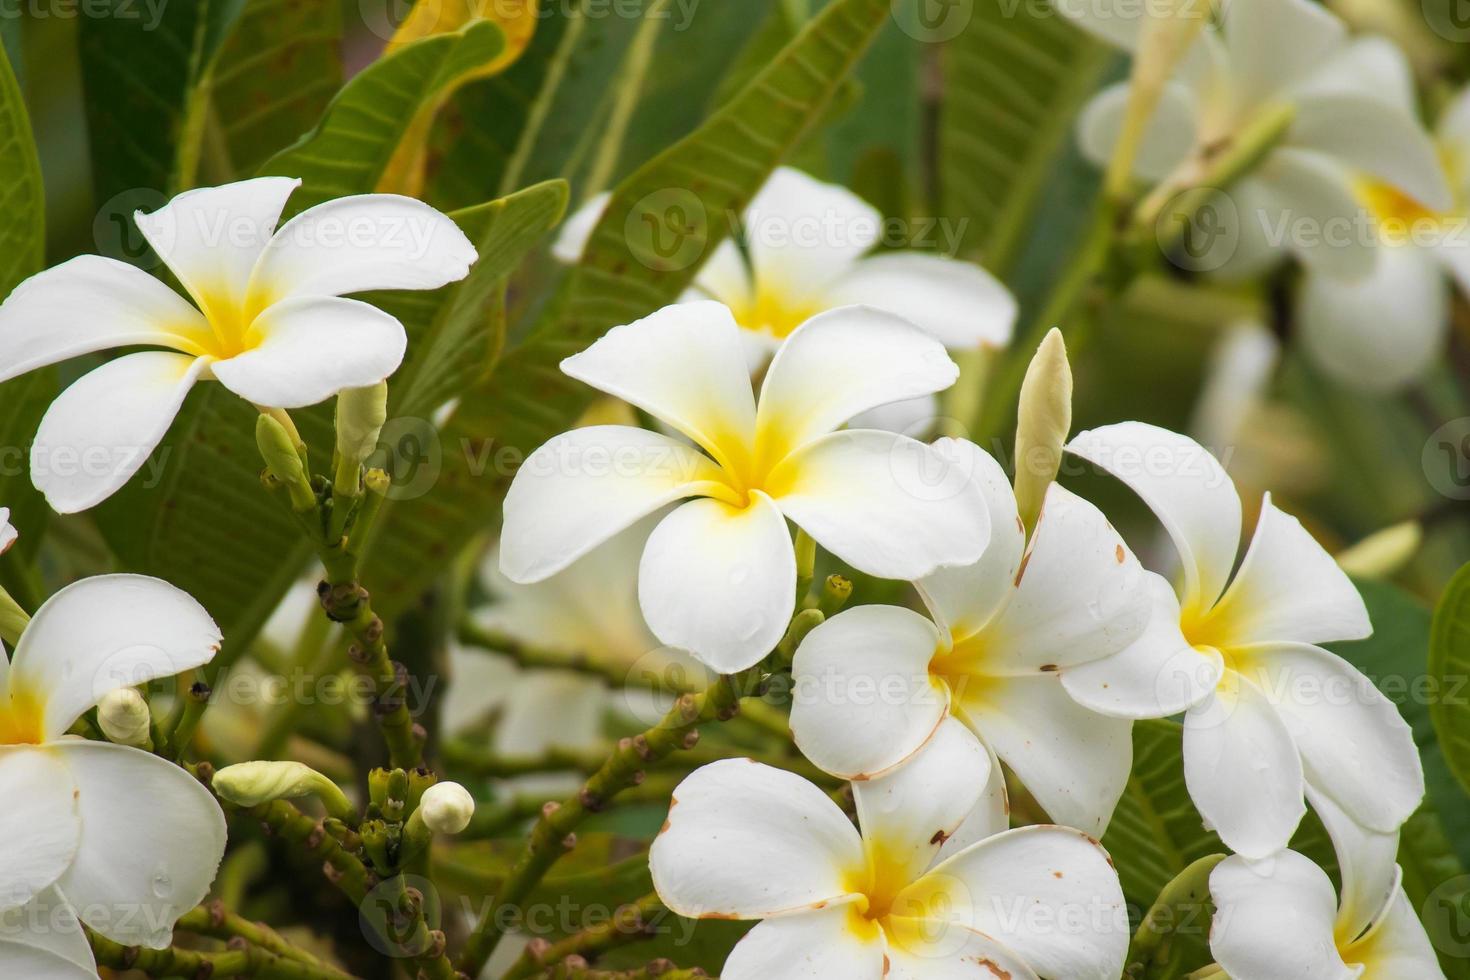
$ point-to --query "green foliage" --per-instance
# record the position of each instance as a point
(1449, 668)
(1167, 943)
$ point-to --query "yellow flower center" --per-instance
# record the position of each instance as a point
(22, 719)
(966, 667)
(776, 312)
(1401, 218)
(230, 333)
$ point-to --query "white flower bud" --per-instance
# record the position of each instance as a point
(361, 413)
(1043, 420)
(254, 783)
(124, 718)
(446, 808)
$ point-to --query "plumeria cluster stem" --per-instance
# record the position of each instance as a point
(245, 961)
(628, 924)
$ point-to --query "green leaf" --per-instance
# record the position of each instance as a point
(1013, 81)
(144, 68)
(714, 171)
(273, 79)
(1449, 667)
(1438, 887)
(350, 148)
(1168, 941)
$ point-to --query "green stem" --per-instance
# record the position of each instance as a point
(250, 961)
(625, 101)
(215, 920)
(628, 924)
(13, 619)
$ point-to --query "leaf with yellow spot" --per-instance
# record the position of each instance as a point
(516, 19)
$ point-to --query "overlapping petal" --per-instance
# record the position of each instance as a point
(1167, 141)
(1372, 136)
(929, 950)
(958, 303)
(815, 945)
(40, 829)
(45, 936)
(1273, 45)
(1398, 946)
(804, 234)
(1366, 860)
(1274, 918)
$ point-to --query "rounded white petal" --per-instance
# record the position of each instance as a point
(931, 950)
(885, 504)
(963, 598)
(957, 303)
(803, 234)
(720, 581)
(1367, 860)
(33, 963)
(99, 432)
(310, 348)
(1397, 947)
(354, 244)
(1383, 331)
(862, 699)
(585, 486)
(773, 820)
(1079, 594)
(1354, 744)
(1372, 136)
(685, 366)
(571, 240)
(1372, 67)
(1157, 675)
(1288, 589)
(40, 829)
(726, 277)
(8, 534)
(1274, 919)
(908, 814)
(1074, 761)
(1243, 770)
(1167, 141)
(1049, 894)
(1262, 223)
(1275, 44)
(819, 945)
(1185, 487)
(913, 417)
(839, 364)
(89, 304)
(548, 710)
(991, 816)
(152, 840)
(107, 632)
(1307, 208)
(211, 237)
(48, 926)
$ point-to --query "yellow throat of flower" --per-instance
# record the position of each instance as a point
(1399, 217)
(776, 312)
(22, 719)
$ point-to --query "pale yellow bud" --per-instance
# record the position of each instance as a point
(361, 413)
(446, 808)
(1382, 553)
(1044, 419)
(255, 783)
(124, 718)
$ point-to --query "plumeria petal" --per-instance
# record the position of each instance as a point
(991, 816)
(1373, 137)
(958, 303)
(19, 959)
(354, 244)
(720, 581)
(838, 364)
(152, 840)
(930, 950)
(863, 700)
(1157, 675)
(550, 710)
(577, 229)
(907, 815)
(8, 537)
(1275, 44)
(1050, 894)
(1078, 594)
(725, 277)
(1074, 761)
(1261, 223)
(1186, 488)
(963, 598)
(89, 304)
(100, 431)
(1398, 946)
(1243, 770)
(310, 348)
(1354, 744)
(1373, 67)
(40, 830)
(49, 925)
(1288, 589)
(684, 365)
(586, 485)
(1367, 862)
(773, 818)
(1114, 21)
(103, 633)
(1167, 141)
(885, 504)
(1343, 322)
(211, 238)
(804, 234)
(1307, 207)
(816, 945)
(1274, 919)
(915, 417)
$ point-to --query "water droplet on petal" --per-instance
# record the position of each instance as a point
(163, 883)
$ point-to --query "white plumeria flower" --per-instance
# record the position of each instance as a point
(810, 249)
(1271, 55)
(269, 322)
(1383, 331)
(934, 887)
(8, 534)
(1278, 919)
(718, 576)
(1269, 713)
(127, 840)
(873, 684)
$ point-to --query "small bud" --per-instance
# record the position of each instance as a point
(361, 413)
(1044, 419)
(447, 808)
(1382, 553)
(283, 461)
(124, 718)
(254, 783)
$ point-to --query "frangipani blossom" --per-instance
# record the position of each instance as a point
(8, 534)
(874, 683)
(933, 888)
(1278, 919)
(1271, 56)
(1385, 330)
(126, 840)
(269, 320)
(718, 575)
(1270, 714)
(808, 249)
